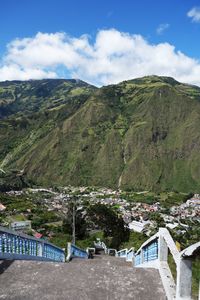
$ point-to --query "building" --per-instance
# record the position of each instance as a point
(22, 225)
(195, 200)
(138, 226)
(2, 207)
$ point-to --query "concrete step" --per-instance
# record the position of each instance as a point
(101, 278)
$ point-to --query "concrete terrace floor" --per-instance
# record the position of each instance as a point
(101, 278)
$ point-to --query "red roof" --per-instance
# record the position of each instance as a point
(38, 235)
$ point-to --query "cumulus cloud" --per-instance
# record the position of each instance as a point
(13, 71)
(194, 14)
(161, 28)
(113, 56)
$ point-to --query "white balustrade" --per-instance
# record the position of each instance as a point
(154, 253)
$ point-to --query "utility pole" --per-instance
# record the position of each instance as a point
(74, 223)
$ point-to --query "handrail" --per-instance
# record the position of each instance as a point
(128, 254)
(102, 245)
(26, 236)
(191, 250)
(15, 245)
(122, 252)
(152, 238)
(154, 252)
(131, 249)
(73, 251)
(163, 232)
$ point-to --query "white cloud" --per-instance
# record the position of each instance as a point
(13, 72)
(114, 56)
(194, 13)
(161, 28)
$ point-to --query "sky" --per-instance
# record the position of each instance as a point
(101, 42)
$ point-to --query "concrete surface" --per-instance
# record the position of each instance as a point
(101, 278)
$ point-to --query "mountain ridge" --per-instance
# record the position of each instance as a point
(139, 134)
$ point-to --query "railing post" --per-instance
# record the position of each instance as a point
(133, 260)
(142, 256)
(40, 249)
(1, 243)
(162, 249)
(68, 251)
(184, 279)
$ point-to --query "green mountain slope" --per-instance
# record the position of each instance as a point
(140, 134)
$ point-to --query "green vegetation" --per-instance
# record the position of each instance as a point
(166, 199)
(80, 222)
(144, 131)
(195, 278)
(16, 204)
(195, 274)
(110, 222)
(26, 207)
(12, 180)
(136, 239)
(191, 234)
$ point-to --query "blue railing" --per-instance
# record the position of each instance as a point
(130, 254)
(14, 245)
(138, 259)
(122, 253)
(147, 253)
(74, 251)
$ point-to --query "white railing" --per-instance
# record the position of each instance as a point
(122, 253)
(128, 254)
(101, 245)
(111, 251)
(154, 254)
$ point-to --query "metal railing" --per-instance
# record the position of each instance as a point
(101, 245)
(75, 252)
(130, 254)
(122, 253)
(15, 245)
(147, 253)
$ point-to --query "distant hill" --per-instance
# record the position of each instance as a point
(141, 134)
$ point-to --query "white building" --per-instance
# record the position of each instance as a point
(20, 225)
(138, 226)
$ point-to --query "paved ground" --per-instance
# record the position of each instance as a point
(102, 278)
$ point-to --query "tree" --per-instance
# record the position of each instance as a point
(110, 222)
(80, 223)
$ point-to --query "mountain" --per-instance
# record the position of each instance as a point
(141, 134)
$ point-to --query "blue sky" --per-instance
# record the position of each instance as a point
(157, 22)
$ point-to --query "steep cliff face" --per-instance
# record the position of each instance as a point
(139, 134)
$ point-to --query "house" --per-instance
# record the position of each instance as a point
(21, 225)
(2, 207)
(195, 200)
(138, 226)
(38, 235)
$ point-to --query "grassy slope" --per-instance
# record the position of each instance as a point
(144, 132)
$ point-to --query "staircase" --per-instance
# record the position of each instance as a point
(101, 278)
(32, 268)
